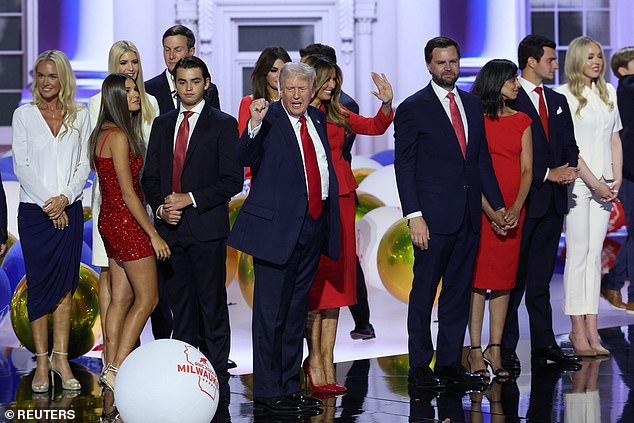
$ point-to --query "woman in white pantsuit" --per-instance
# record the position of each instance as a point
(596, 124)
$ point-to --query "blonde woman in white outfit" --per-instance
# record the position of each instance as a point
(123, 58)
(596, 122)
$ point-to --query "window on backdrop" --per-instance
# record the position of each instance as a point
(564, 20)
(12, 80)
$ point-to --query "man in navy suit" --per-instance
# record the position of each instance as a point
(555, 157)
(191, 173)
(442, 168)
(178, 43)
(623, 68)
(289, 218)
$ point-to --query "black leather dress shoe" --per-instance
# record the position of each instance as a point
(422, 377)
(231, 364)
(304, 401)
(276, 405)
(457, 374)
(553, 354)
(510, 360)
(363, 332)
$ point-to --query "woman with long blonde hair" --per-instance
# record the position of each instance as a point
(50, 157)
(123, 58)
(596, 125)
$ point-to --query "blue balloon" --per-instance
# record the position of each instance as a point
(13, 265)
(6, 169)
(88, 232)
(86, 256)
(5, 296)
(91, 180)
(385, 157)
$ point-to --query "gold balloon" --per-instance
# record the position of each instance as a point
(360, 174)
(367, 202)
(87, 214)
(234, 207)
(395, 261)
(395, 368)
(231, 264)
(85, 327)
(246, 277)
(11, 239)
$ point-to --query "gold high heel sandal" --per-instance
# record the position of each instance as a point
(71, 384)
(41, 387)
(102, 378)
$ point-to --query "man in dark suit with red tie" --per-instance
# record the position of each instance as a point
(178, 42)
(555, 156)
(191, 172)
(442, 169)
(289, 218)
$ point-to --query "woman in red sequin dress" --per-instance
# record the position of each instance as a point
(128, 234)
(335, 284)
(509, 137)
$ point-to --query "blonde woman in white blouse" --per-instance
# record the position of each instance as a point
(50, 141)
(596, 123)
(124, 58)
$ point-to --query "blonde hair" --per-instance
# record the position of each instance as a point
(67, 89)
(117, 50)
(576, 58)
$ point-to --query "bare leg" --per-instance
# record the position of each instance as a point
(40, 336)
(143, 278)
(498, 305)
(329, 320)
(121, 299)
(579, 333)
(61, 332)
(104, 303)
(476, 317)
(313, 339)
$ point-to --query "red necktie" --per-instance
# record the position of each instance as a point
(456, 122)
(543, 113)
(312, 170)
(180, 151)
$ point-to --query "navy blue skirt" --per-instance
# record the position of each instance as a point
(51, 256)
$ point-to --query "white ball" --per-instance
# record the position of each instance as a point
(166, 381)
(362, 162)
(382, 184)
(370, 230)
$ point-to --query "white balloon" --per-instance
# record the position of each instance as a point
(370, 230)
(362, 162)
(166, 381)
(12, 191)
(382, 184)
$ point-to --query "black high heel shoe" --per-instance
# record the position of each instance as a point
(483, 372)
(500, 372)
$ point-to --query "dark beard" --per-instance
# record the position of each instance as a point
(443, 83)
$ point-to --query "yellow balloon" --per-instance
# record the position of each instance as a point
(11, 239)
(87, 214)
(246, 277)
(85, 327)
(231, 264)
(367, 202)
(234, 207)
(360, 174)
(395, 261)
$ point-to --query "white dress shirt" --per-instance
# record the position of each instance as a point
(594, 127)
(170, 82)
(529, 88)
(46, 165)
(322, 160)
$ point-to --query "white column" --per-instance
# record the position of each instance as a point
(95, 22)
(365, 16)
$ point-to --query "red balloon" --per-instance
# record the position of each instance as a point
(617, 217)
(608, 255)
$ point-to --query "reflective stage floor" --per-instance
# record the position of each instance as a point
(378, 391)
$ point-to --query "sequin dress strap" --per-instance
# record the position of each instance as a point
(104, 140)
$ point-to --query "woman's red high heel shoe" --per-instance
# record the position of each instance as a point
(323, 389)
(338, 388)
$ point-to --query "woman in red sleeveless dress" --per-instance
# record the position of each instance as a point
(128, 234)
(335, 284)
(510, 144)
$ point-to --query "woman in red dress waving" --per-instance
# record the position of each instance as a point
(335, 285)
